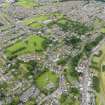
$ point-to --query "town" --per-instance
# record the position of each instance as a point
(52, 52)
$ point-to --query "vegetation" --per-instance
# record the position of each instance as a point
(70, 99)
(39, 18)
(27, 3)
(3, 86)
(47, 82)
(31, 44)
(24, 69)
(73, 26)
(89, 46)
(99, 25)
(71, 72)
(62, 61)
(96, 83)
(2, 62)
(73, 40)
(31, 102)
(99, 78)
(36, 22)
(15, 101)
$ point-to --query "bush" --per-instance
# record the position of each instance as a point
(73, 62)
(72, 40)
(69, 98)
(62, 61)
(96, 84)
(89, 46)
(73, 26)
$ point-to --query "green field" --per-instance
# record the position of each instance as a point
(39, 18)
(27, 3)
(99, 25)
(98, 61)
(35, 22)
(29, 45)
(47, 82)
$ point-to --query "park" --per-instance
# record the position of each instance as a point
(32, 44)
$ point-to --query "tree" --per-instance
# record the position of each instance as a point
(96, 83)
(69, 98)
(89, 46)
(31, 102)
(73, 40)
(15, 101)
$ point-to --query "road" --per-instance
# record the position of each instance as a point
(85, 84)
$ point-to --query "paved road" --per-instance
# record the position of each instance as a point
(85, 83)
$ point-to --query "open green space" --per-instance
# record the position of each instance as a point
(73, 26)
(27, 3)
(31, 44)
(47, 82)
(36, 22)
(98, 63)
(99, 25)
(39, 20)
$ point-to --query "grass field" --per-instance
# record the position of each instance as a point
(38, 21)
(39, 18)
(27, 3)
(35, 22)
(47, 81)
(29, 45)
(100, 96)
(99, 25)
